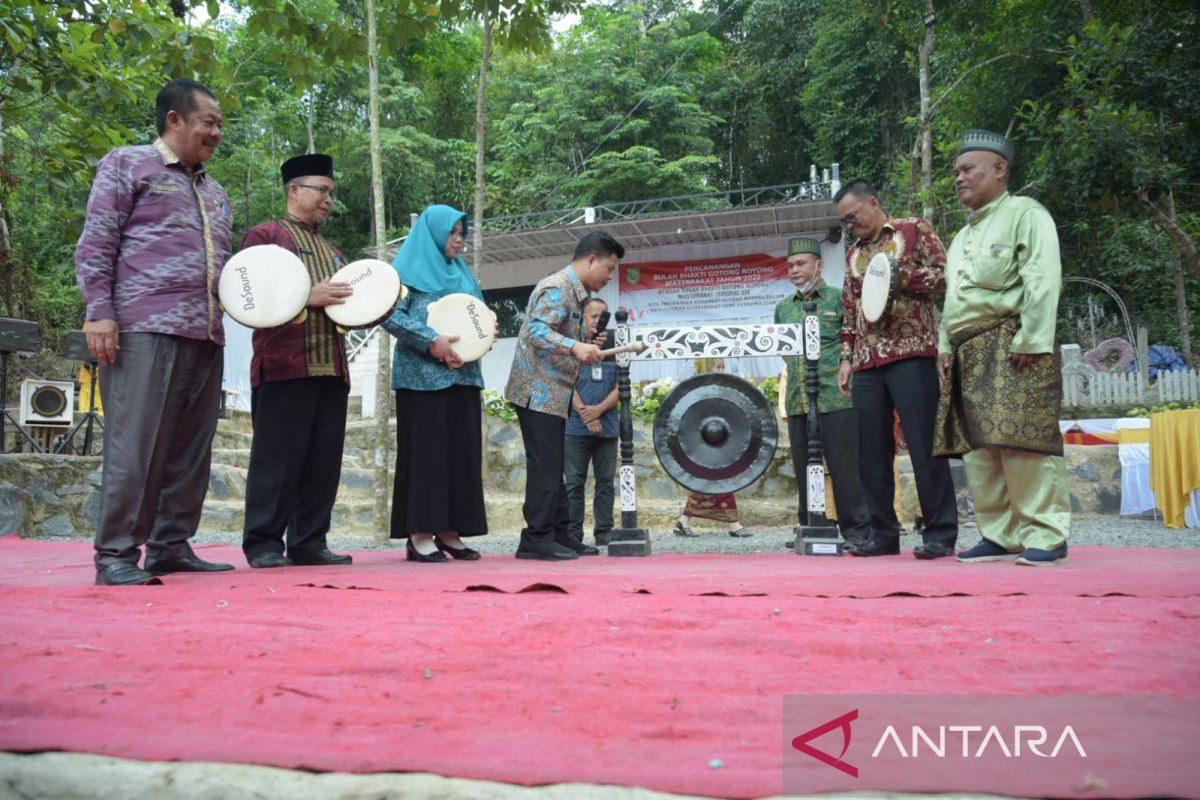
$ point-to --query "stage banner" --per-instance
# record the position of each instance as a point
(743, 288)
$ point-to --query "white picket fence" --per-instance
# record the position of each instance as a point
(1084, 386)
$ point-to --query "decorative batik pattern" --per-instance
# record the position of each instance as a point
(988, 402)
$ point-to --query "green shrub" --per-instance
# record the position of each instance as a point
(495, 405)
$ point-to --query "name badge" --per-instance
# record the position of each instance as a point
(597, 372)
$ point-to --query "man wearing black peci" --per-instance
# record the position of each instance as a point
(301, 384)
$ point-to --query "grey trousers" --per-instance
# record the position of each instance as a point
(160, 413)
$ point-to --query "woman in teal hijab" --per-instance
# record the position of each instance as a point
(437, 496)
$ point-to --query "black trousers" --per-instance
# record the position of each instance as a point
(909, 387)
(545, 506)
(295, 464)
(839, 441)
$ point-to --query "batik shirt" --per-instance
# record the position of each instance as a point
(908, 329)
(413, 366)
(309, 346)
(543, 371)
(829, 314)
(153, 245)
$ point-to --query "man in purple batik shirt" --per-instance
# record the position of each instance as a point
(159, 229)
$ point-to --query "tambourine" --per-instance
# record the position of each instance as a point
(377, 289)
(465, 316)
(264, 286)
(879, 286)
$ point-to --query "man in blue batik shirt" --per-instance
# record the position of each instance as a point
(592, 438)
(541, 381)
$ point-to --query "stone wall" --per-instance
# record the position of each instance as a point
(58, 496)
(49, 496)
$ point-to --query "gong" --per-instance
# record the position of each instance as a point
(715, 433)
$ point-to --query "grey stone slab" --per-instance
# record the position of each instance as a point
(91, 510)
(14, 511)
(503, 436)
(58, 525)
(1085, 470)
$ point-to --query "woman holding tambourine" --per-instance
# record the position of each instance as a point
(438, 489)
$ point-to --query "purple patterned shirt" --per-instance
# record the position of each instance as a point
(154, 243)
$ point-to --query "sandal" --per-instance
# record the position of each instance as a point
(740, 532)
(684, 530)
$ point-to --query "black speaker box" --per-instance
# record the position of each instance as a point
(19, 336)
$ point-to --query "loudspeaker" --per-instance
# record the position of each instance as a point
(47, 402)
(19, 336)
(77, 349)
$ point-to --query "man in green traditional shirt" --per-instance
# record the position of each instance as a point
(839, 428)
(1001, 379)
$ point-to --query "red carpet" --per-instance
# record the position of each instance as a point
(667, 672)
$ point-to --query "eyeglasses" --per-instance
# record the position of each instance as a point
(326, 191)
(456, 234)
(852, 217)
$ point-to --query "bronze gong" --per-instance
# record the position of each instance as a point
(715, 433)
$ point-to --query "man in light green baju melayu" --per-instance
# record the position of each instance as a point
(1001, 378)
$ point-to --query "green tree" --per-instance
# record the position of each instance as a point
(616, 107)
(1118, 140)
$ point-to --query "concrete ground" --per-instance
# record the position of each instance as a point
(714, 538)
(73, 776)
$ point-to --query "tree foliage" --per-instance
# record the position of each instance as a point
(638, 99)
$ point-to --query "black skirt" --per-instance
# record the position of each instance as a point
(439, 470)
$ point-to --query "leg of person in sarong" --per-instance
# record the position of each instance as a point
(994, 514)
(1040, 499)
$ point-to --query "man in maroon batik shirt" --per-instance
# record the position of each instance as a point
(893, 365)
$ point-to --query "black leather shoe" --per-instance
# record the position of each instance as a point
(549, 551)
(853, 543)
(875, 547)
(189, 563)
(458, 553)
(579, 547)
(270, 560)
(602, 539)
(321, 558)
(125, 573)
(932, 550)
(411, 554)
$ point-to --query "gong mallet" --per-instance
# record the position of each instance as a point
(635, 347)
(818, 537)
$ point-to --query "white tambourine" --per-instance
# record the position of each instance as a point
(465, 316)
(264, 286)
(878, 286)
(377, 289)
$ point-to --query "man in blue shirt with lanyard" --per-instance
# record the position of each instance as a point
(592, 437)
